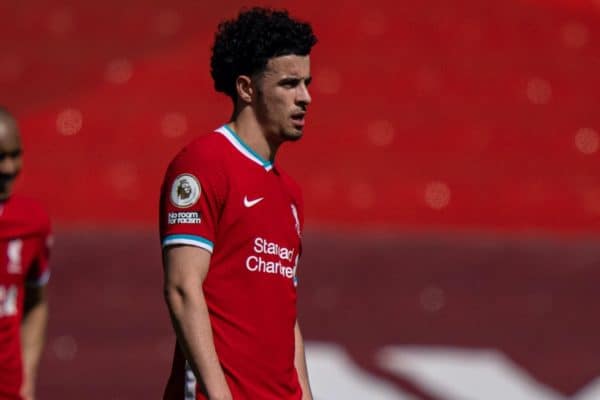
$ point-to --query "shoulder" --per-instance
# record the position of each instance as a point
(206, 151)
(26, 215)
(200, 164)
(29, 208)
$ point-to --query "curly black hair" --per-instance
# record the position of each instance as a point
(243, 46)
(4, 110)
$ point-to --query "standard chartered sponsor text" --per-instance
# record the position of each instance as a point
(284, 266)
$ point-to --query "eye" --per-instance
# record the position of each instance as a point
(10, 154)
(290, 83)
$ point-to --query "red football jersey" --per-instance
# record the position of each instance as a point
(219, 195)
(24, 250)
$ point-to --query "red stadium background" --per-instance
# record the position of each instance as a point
(450, 168)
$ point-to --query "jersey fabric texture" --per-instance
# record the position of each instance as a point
(221, 196)
(24, 251)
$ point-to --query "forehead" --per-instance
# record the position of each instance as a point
(289, 65)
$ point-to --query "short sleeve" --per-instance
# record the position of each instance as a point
(39, 273)
(191, 201)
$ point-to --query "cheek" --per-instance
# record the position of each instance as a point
(275, 107)
(284, 104)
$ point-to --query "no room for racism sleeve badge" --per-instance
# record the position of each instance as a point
(185, 191)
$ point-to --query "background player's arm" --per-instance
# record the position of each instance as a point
(300, 363)
(185, 270)
(33, 330)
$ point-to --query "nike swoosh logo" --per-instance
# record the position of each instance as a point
(252, 203)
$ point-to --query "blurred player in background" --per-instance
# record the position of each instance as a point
(231, 223)
(24, 240)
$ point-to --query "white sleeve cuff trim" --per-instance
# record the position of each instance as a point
(186, 241)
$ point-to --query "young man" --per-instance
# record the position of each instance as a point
(24, 240)
(231, 223)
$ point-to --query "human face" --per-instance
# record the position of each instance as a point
(10, 155)
(283, 98)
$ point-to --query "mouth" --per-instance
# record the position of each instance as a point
(298, 119)
(6, 178)
(5, 186)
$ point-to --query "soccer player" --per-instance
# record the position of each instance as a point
(24, 241)
(231, 223)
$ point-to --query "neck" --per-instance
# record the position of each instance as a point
(246, 126)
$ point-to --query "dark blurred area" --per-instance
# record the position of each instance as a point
(450, 169)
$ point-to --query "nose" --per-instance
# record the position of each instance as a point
(9, 165)
(303, 96)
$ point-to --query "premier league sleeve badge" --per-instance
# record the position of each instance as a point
(185, 191)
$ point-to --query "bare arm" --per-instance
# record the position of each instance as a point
(300, 363)
(33, 330)
(185, 270)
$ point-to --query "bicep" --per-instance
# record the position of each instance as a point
(185, 266)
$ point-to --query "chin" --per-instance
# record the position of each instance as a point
(292, 135)
(292, 138)
(5, 190)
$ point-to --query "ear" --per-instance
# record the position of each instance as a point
(244, 88)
